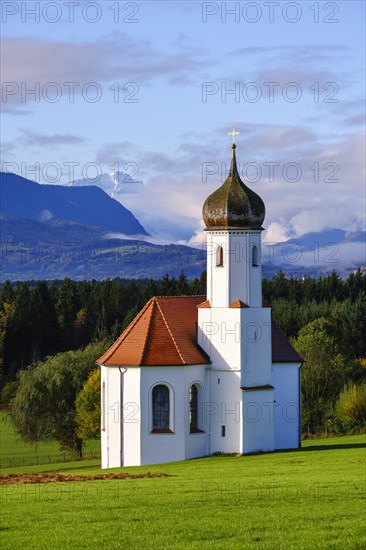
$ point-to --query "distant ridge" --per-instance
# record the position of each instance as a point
(51, 232)
(89, 206)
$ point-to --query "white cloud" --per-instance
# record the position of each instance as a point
(277, 232)
(170, 204)
(45, 216)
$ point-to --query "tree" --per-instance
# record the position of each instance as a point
(356, 283)
(88, 407)
(182, 284)
(44, 405)
(280, 286)
(6, 314)
(322, 373)
(287, 314)
(44, 325)
(20, 345)
(351, 322)
(67, 308)
(167, 286)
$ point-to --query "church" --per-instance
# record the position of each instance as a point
(196, 375)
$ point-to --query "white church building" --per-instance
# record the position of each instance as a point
(196, 375)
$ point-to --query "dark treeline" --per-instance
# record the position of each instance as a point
(38, 319)
(41, 318)
(295, 303)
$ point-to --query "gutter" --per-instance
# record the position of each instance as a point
(121, 417)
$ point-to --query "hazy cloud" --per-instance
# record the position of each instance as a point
(116, 56)
(30, 137)
(112, 153)
(311, 53)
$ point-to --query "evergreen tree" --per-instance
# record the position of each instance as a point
(44, 327)
(67, 308)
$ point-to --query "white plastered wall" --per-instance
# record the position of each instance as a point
(132, 416)
(159, 448)
(219, 335)
(286, 380)
(223, 411)
(237, 278)
(111, 418)
(258, 421)
(256, 347)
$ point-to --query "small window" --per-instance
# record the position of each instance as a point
(160, 409)
(222, 431)
(255, 257)
(218, 381)
(219, 256)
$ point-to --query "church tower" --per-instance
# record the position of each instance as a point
(233, 216)
(234, 327)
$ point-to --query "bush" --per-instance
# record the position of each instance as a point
(88, 408)
(350, 409)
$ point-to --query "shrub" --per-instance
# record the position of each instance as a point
(350, 409)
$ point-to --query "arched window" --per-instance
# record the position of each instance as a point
(160, 408)
(255, 257)
(195, 406)
(219, 256)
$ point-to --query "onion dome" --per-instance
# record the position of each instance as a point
(233, 205)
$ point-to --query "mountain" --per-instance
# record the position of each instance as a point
(116, 183)
(34, 250)
(89, 206)
(31, 249)
(52, 232)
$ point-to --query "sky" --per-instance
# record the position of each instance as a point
(153, 88)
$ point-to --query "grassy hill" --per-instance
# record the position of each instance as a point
(311, 498)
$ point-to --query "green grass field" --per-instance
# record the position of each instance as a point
(14, 453)
(311, 498)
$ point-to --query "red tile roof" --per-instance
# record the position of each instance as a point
(282, 350)
(164, 333)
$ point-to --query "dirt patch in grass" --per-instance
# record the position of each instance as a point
(11, 479)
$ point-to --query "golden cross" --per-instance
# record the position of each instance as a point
(233, 133)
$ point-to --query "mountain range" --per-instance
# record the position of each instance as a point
(88, 205)
(52, 232)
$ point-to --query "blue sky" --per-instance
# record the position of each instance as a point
(290, 75)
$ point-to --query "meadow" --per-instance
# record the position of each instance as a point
(14, 453)
(310, 498)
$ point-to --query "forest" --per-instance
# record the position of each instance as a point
(324, 318)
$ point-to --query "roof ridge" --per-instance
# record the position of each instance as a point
(153, 301)
(125, 333)
(180, 296)
(170, 332)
